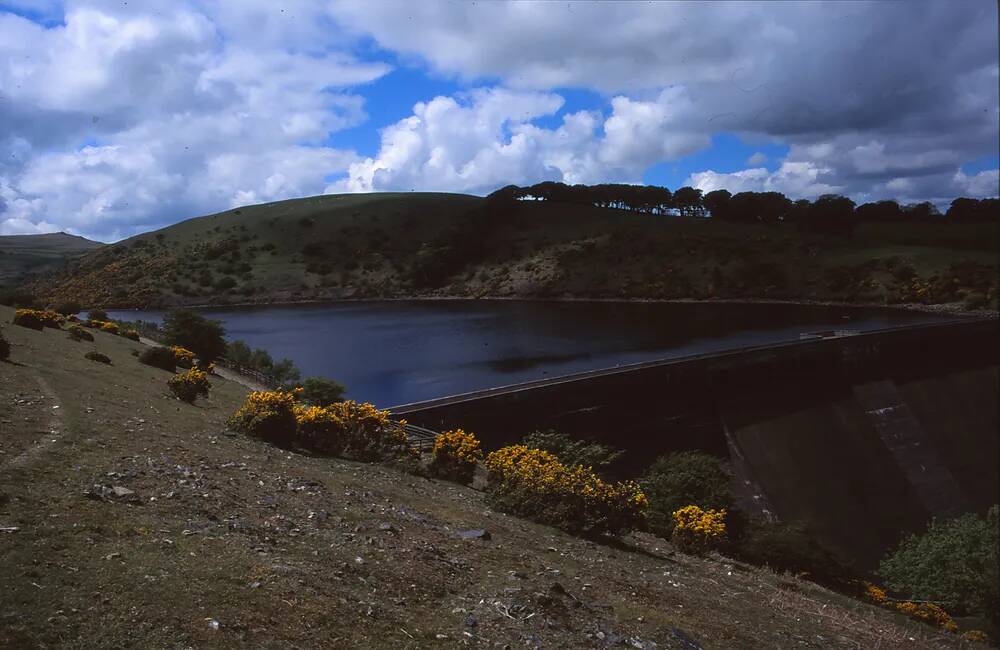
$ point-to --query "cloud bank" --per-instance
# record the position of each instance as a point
(116, 118)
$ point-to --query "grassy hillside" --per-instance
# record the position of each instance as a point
(401, 245)
(227, 542)
(23, 254)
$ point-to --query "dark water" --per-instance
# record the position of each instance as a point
(393, 353)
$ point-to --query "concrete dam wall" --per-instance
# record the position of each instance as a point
(860, 437)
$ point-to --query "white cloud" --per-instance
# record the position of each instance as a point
(124, 118)
(757, 158)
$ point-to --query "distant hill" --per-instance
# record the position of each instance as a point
(23, 254)
(388, 245)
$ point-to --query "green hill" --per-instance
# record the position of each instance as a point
(436, 245)
(24, 254)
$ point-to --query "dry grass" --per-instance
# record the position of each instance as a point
(285, 550)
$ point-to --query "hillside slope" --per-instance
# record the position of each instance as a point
(411, 245)
(23, 254)
(227, 542)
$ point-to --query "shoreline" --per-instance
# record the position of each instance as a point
(953, 309)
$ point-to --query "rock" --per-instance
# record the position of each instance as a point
(475, 533)
(471, 621)
(122, 492)
(387, 528)
(213, 624)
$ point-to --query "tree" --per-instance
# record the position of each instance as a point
(921, 211)
(832, 213)
(284, 372)
(572, 452)
(880, 211)
(97, 314)
(688, 201)
(717, 203)
(68, 308)
(953, 563)
(190, 330)
(320, 391)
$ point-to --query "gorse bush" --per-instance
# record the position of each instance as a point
(680, 479)
(697, 530)
(130, 333)
(928, 613)
(37, 319)
(189, 385)
(953, 563)
(183, 357)
(159, 357)
(534, 484)
(78, 333)
(358, 431)
(455, 456)
(572, 452)
(268, 415)
(109, 327)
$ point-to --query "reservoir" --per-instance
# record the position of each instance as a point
(396, 352)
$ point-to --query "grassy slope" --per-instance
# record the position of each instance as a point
(286, 550)
(22, 254)
(402, 245)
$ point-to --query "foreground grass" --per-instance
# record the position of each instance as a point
(284, 550)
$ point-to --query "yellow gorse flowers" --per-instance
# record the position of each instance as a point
(189, 385)
(697, 530)
(549, 487)
(38, 317)
(358, 429)
(455, 455)
(182, 356)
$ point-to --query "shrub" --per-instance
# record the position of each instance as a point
(534, 484)
(37, 319)
(108, 326)
(204, 337)
(696, 530)
(4, 348)
(189, 385)
(97, 315)
(789, 547)
(268, 415)
(77, 333)
(455, 456)
(572, 452)
(183, 357)
(159, 357)
(319, 430)
(928, 613)
(130, 333)
(953, 563)
(320, 391)
(368, 432)
(680, 479)
(68, 308)
(98, 357)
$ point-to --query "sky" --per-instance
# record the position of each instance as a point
(118, 117)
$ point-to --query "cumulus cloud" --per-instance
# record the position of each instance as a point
(123, 119)
(118, 117)
(864, 93)
(489, 139)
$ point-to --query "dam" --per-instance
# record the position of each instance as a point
(862, 436)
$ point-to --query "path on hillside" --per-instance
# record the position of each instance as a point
(225, 373)
(51, 429)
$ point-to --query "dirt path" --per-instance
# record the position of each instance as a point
(51, 429)
(225, 373)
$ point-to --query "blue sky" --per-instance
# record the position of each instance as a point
(122, 117)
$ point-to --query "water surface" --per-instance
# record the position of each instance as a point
(395, 352)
